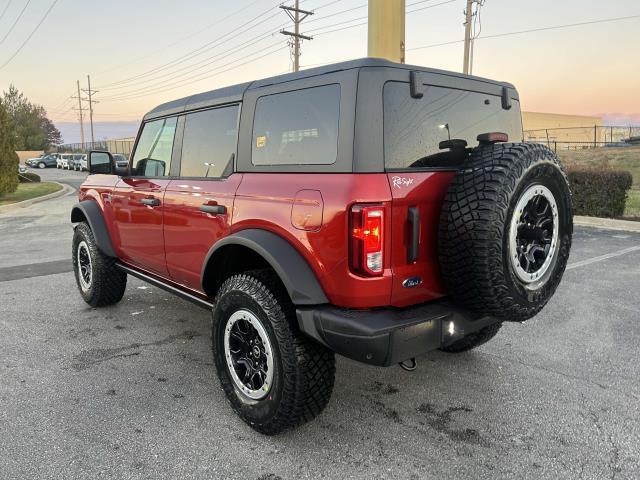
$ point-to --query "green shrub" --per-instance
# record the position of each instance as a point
(29, 177)
(599, 192)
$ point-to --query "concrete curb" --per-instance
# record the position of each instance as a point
(607, 223)
(65, 190)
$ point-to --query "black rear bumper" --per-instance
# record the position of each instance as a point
(387, 336)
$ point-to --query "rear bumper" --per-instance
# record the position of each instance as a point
(387, 336)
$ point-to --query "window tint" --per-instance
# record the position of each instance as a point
(209, 142)
(415, 127)
(153, 153)
(297, 128)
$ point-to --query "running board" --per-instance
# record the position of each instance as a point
(166, 287)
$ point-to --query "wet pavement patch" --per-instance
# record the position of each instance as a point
(31, 270)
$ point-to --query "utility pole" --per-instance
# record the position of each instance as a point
(90, 93)
(297, 16)
(80, 113)
(386, 29)
(467, 36)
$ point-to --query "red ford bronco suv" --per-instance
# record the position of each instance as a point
(368, 208)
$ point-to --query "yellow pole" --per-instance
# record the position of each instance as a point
(386, 29)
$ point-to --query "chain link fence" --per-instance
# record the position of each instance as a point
(577, 138)
(121, 146)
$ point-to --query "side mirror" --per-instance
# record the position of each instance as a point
(101, 163)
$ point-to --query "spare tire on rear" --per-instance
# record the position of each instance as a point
(505, 230)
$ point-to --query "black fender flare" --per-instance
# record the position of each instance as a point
(90, 210)
(294, 271)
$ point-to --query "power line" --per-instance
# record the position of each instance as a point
(541, 29)
(15, 22)
(366, 18)
(202, 63)
(198, 51)
(30, 35)
(6, 7)
(191, 35)
(124, 83)
(217, 72)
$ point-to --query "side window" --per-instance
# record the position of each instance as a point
(209, 142)
(434, 130)
(297, 128)
(155, 146)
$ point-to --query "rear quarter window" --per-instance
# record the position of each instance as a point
(297, 128)
(415, 127)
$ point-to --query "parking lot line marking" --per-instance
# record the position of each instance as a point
(600, 258)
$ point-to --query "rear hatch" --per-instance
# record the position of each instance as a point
(427, 137)
(415, 216)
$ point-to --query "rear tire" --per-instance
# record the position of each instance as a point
(473, 340)
(505, 230)
(274, 376)
(99, 280)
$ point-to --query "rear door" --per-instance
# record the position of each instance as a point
(138, 199)
(424, 144)
(198, 206)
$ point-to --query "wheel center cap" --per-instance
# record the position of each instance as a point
(256, 351)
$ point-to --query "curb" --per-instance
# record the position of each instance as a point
(65, 190)
(607, 223)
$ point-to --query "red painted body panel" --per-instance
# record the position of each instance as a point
(265, 200)
(310, 211)
(139, 227)
(424, 191)
(190, 233)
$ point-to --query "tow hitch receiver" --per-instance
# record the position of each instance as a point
(409, 365)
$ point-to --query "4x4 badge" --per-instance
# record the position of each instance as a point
(412, 282)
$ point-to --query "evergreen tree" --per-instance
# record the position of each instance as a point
(8, 156)
(33, 130)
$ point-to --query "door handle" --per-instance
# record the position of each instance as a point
(414, 231)
(151, 202)
(213, 209)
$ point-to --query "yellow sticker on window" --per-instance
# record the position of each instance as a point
(261, 141)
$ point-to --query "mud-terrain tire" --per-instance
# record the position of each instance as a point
(105, 283)
(302, 371)
(505, 230)
(474, 339)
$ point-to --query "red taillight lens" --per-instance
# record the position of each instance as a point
(367, 239)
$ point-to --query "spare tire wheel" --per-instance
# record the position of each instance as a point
(505, 230)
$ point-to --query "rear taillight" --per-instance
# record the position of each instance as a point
(366, 230)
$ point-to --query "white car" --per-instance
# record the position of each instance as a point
(63, 160)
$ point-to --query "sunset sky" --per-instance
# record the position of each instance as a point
(142, 53)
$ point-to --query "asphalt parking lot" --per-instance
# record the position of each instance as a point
(130, 391)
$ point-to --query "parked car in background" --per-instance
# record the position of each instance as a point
(83, 163)
(63, 162)
(22, 168)
(121, 160)
(75, 162)
(43, 161)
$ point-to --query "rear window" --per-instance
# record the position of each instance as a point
(414, 128)
(297, 128)
(209, 142)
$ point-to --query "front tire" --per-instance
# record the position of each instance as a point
(42, 165)
(274, 377)
(99, 280)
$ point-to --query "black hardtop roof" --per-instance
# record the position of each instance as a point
(235, 93)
